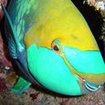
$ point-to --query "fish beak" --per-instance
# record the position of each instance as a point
(88, 65)
(89, 86)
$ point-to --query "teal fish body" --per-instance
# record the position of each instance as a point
(52, 45)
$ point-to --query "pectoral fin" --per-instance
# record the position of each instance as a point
(16, 48)
(20, 86)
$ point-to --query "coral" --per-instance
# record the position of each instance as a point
(98, 4)
(3, 86)
(1, 11)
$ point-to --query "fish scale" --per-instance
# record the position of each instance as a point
(20, 15)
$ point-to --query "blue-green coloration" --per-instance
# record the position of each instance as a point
(82, 60)
(42, 72)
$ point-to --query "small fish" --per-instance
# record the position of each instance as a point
(53, 46)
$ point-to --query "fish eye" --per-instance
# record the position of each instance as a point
(56, 47)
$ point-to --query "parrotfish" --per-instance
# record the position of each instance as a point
(53, 46)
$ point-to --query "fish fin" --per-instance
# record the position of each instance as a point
(13, 42)
(17, 51)
(20, 86)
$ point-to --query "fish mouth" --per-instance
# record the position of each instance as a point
(89, 86)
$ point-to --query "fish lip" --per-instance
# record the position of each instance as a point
(89, 86)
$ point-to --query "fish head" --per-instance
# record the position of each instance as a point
(62, 53)
(67, 68)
